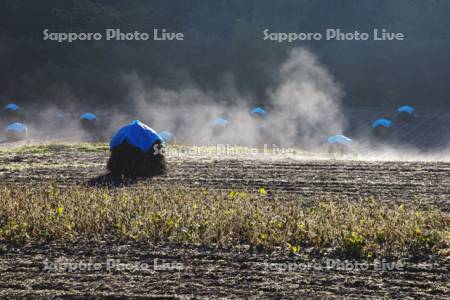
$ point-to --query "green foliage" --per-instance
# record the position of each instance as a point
(208, 217)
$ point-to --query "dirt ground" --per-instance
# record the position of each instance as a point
(193, 271)
(387, 181)
(201, 272)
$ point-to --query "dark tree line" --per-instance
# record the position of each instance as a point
(221, 38)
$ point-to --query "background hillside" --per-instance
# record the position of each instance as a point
(223, 42)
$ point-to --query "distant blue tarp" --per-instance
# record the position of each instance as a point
(166, 136)
(220, 122)
(12, 107)
(88, 116)
(17, 127)
(339, 139)
(137, 134)
(406, 109)
(258, 111)
(382, 122)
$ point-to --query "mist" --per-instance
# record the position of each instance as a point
(304, 108)
(307, 103)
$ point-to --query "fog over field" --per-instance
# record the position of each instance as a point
(223, 67)
(305, 106)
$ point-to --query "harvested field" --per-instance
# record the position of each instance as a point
(236, 270)
(428, 182)
(208, 273)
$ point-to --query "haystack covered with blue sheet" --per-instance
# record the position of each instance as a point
(219, 126)
(136, 150)
(258, 113)
(88, 121)
(405, 113)
(16, 131)
(339, 140)
(12, 107)
(12, 112)
(339, 144)
(219, 123)
(382, 127)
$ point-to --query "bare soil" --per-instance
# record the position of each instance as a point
(214, 272)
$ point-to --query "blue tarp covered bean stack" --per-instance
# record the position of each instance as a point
(339, 139)
(220, 122)
(382, 123)
(136, 134)
(12, 107)
(382, 127)
(406, 108)
(88, 121)
(136, 150)
(258, 112)
(405, 113)
(88, 116)
(12, 113)
(16, 131)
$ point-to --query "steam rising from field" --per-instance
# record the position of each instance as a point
(401, 153)
(304, 108)
(307, 103)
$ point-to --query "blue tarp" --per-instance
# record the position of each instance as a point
(88, 116)
(137, 134)
(12, 107)
(339, 139)
(220, 122)
(259, 111)
(17, 127)
(166, 136)
(406, 108)
(382, 122)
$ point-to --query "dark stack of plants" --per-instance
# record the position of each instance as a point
(128, 160)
